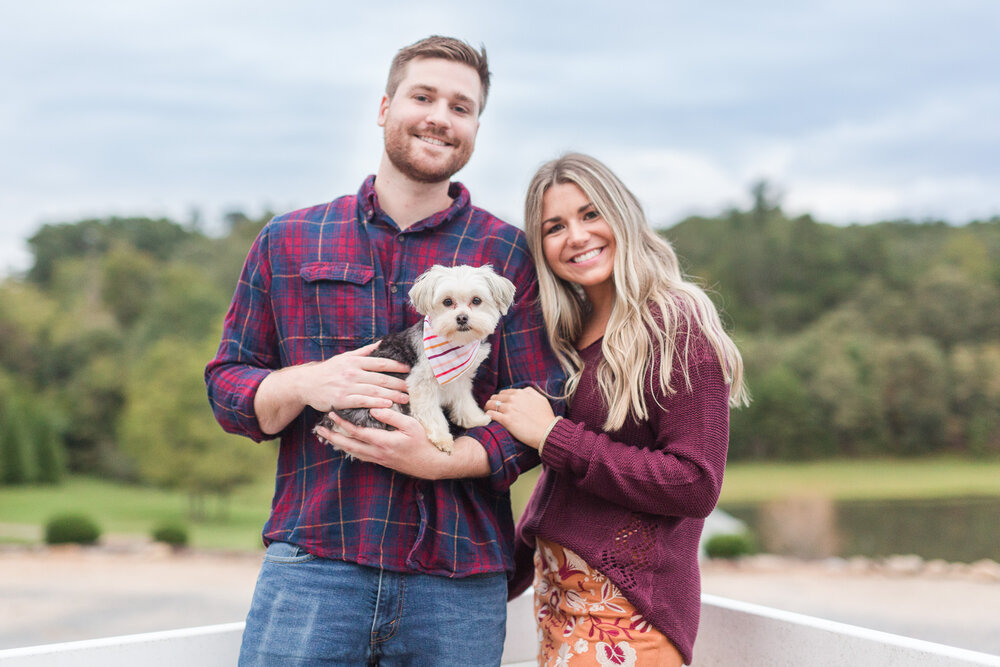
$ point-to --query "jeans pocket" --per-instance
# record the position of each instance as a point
(287, 554)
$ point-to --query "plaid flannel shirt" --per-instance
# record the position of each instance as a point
(324, 280)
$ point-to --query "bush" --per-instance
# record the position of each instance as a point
(172, 533)
(730, 546)
(71, 529)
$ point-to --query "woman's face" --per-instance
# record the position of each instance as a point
(577, 242)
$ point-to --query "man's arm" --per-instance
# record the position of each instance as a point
(253, 396)
(349, 380)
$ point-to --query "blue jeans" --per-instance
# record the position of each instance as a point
(314, 611)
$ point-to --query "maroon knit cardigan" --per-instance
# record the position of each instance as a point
(632, 502)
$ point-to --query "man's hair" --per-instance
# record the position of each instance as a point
(446, 48)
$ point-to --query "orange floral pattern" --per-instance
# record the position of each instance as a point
(583, 619)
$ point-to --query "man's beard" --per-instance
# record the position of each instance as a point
(399, 146)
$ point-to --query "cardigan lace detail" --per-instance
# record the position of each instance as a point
(630, 551)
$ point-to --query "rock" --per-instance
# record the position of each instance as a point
(903, 565)
(986, 570)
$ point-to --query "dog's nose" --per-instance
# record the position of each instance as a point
(462, 319)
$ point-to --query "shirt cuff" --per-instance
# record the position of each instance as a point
(563, 444)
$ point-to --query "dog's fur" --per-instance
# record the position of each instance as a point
(476, 298)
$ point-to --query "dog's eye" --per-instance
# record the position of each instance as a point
(476, 301)
(448, 303)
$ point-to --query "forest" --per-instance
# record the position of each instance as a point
(877, 340)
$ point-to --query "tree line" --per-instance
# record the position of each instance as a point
(865, 340)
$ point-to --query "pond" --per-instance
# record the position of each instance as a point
(956, 530)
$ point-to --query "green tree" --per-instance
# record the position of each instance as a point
(169, 432)
(975, 416)
(15, 446)
(912, 380)
(127, 279)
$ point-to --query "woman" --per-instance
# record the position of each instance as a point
(630, 473)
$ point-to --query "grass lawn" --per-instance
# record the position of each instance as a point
(883, 479)
(135, 510)
(132, 510)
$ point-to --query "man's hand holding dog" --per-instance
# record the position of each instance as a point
(349, 380)
(407, 449)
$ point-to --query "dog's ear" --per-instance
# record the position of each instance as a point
(422, 292)
(501, 289)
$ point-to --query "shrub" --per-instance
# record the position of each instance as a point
(71, 529)
(730, 546)
(172, 533)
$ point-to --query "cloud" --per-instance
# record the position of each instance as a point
(856, 110)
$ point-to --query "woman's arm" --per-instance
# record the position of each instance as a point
(679, 473)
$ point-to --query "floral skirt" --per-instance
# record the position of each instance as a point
(583, 619)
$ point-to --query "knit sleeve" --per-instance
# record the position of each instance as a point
(678, 472)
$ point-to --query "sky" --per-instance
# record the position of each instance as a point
(854, 111)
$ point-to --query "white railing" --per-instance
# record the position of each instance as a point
(731, 633)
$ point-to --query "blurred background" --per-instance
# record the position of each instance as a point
(828, 170)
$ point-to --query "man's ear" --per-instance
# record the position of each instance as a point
(383, 110)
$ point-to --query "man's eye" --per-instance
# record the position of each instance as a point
(476, 301)
(448, 303)
(461, 110)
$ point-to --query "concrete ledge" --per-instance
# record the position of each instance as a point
(206, 645)
(740, 633)
(731, 633)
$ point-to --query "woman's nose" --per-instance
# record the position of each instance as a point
(577, 233)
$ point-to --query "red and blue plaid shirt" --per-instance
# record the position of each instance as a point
(332, 278)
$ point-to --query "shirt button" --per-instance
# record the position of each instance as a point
(393, 289)
(401, 238)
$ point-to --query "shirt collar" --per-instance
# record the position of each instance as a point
(369, 208)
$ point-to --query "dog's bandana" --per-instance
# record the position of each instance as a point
(448, 361)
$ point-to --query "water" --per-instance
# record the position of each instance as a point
(956, 530)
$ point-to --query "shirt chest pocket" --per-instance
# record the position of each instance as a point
(339, 305)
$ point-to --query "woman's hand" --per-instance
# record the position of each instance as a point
(525, 413)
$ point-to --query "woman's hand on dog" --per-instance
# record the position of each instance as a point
(525, 413)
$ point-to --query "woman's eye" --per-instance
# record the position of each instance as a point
(476, 301)
(552, 228)
(448, 303)
(590, 215)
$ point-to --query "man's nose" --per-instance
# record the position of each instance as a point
(438, 114)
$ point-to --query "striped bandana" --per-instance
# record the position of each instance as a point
(448, 361)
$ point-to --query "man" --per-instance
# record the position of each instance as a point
(398, 556)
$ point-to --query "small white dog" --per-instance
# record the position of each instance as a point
(462, 306)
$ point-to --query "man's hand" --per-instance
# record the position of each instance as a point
(353, 380)
(407, 449)
(349, 380)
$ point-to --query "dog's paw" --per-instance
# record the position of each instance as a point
(443, 441)
(482, 419)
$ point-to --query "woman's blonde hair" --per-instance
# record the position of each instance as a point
(646, 272)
